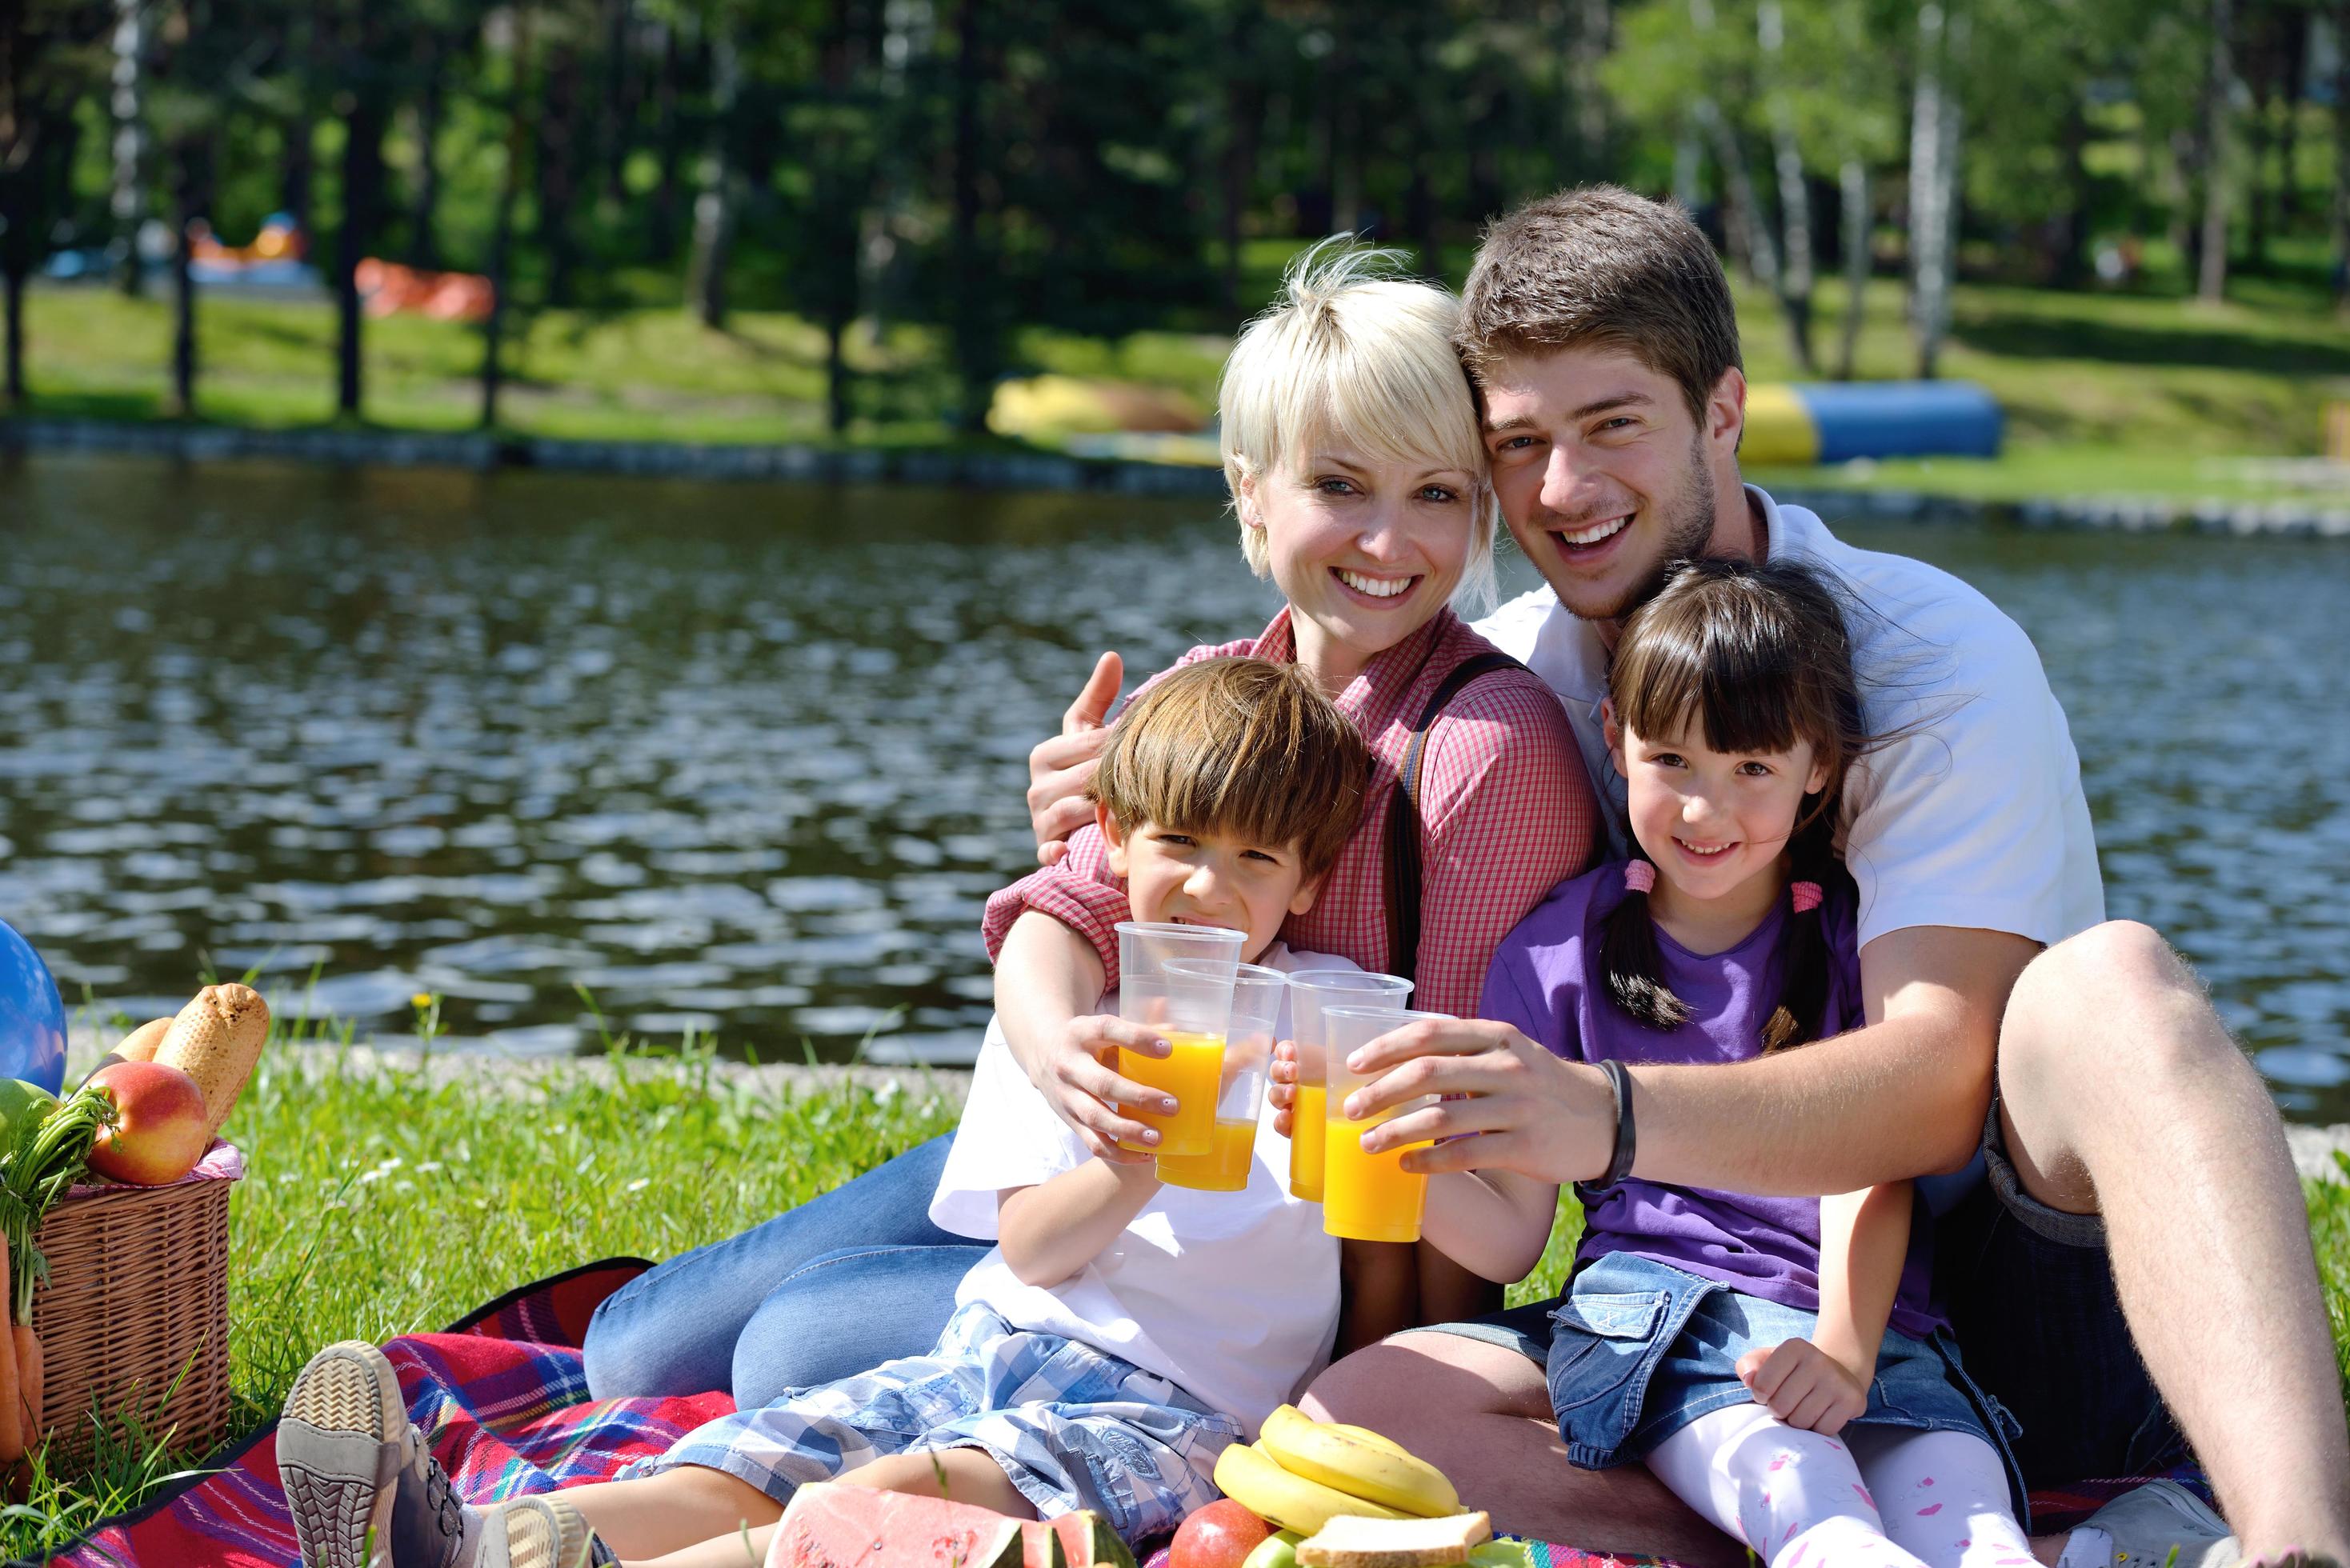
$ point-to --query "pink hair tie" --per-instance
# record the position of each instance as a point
(1807, 896)
(1639, 877)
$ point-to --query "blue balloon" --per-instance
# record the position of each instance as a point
(32, 1016)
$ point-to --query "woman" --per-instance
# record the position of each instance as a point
(1357, 468)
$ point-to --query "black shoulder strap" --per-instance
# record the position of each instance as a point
(1403, 816)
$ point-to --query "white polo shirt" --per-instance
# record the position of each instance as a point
(1974, 818)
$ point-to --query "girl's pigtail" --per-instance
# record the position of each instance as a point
(1803, 984)
(1629, 957)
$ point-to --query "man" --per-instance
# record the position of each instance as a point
(2135, 1263)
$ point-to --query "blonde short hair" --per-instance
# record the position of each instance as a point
(1353, 353)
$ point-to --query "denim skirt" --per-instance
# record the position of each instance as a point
(1639, 1349)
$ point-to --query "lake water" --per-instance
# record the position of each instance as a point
(746, 759)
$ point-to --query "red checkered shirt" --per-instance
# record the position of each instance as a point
(1506, 815)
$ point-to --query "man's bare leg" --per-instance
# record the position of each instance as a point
(2122, 1095)
(1481, 1413)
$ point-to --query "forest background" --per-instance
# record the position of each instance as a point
(850, 220)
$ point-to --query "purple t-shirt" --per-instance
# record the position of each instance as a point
(1546, 979)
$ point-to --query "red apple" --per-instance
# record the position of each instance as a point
(161, 1131)
(1219, 1536)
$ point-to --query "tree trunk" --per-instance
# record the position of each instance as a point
(362, 205)
(661, 234)
(191, 169)
(2340, 213)
(13, 282)
(1244, 121)
(1584, 58)
(617, 113)
(1854, 183)
(2211, 274)
(975, 327)
(424, 204)
(2070, 265)
(558, 171)
(713, 209)
(1751, 239)
(1932, 140)
(1794, 193)
(128, 204)
(501, 235)
(2256, 209)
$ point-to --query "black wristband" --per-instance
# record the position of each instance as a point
(1620, 1085)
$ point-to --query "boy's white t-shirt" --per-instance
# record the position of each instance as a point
(1231, 1296)
(1974, 818)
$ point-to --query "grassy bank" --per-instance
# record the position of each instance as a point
(380, 1201)
(2144, 393)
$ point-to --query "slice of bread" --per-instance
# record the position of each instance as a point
(1351, 1541)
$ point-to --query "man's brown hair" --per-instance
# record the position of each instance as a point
(1598, 266)
(1242, 747)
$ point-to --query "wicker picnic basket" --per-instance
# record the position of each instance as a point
(134, 1319)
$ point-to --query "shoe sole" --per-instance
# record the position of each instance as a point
(535, 1532)
(339, 1454)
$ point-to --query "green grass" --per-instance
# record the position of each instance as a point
(380, 1202)
(2142, 393)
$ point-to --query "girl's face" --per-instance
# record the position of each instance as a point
(1713, 822)
(1208, 879)
(1366, 551)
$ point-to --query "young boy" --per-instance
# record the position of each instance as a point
(1118, 1336)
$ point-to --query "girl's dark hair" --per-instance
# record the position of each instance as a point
(1754, 658)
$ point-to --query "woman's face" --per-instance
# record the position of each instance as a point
(1366, 550)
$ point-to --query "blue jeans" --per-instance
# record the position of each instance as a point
(834, 1287)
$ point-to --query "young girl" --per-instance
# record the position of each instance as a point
(1779, 1362)
(1119, 1334)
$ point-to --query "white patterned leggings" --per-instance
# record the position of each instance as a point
(1874, 1497)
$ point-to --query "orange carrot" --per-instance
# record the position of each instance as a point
(11, 1429)
(30, 1377)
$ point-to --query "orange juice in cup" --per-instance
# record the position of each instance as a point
(1232, 1149)
(1239, 1099)
(1190, 1072)
(1310, 992)
(1176, 980)
(1368, 1197)
(1365, 1197)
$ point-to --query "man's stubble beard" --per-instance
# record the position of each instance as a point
(1688, 529)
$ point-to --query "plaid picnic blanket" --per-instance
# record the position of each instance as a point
(503, 1396)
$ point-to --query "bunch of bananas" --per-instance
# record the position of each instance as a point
(1301, 1473)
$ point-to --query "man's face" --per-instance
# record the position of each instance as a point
(1603, 475)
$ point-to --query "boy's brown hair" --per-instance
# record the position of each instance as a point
(1243, 747)
(1598, 266)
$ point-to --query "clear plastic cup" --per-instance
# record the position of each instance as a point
(1176, 980)
(1366, 1196)
(1310, 993)
(1257, 994)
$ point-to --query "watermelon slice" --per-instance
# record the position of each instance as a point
(1081, 1540)
(829, 1525)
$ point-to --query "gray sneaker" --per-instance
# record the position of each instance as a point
(363, 1489)
(538, 1532)
(2148, 1522)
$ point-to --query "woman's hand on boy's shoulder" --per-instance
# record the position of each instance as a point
(1536, 1114)
(1060, 768)
(1080, 1082)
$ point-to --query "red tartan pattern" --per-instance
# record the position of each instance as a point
(1506, 815)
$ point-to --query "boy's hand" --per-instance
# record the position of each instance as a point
(1803, 1386)
(1086, 1091)
(1281, 1092)
(1060, 768)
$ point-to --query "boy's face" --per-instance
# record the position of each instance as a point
(1208, 880)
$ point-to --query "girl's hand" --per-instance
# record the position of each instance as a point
(1803, 1386)
(1281, 1092)
(1087, 1092)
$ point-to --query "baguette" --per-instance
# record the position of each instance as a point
(141, 1044)
(1353, 1541)
(215, 1040)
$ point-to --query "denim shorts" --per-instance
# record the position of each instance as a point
(1639, 1349)
(2030, 1292)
